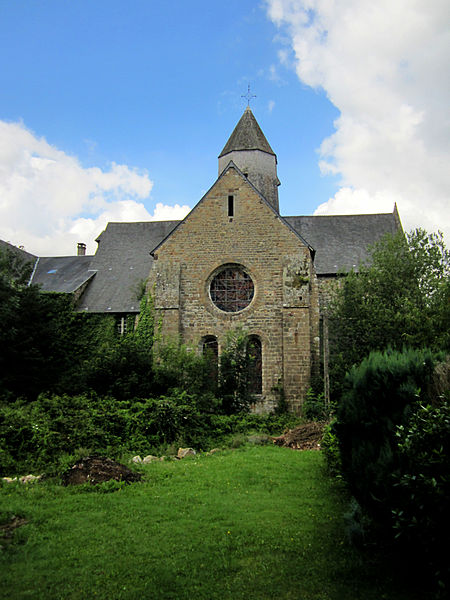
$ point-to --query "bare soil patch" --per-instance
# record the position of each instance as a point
(97, 469)
(303, 437)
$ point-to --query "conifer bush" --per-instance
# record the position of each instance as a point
(393, 430)
(380, 396)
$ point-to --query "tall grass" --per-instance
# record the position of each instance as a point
(257, 523)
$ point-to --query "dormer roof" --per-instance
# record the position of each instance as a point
(247, 135)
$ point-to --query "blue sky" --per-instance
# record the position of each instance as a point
(111, 108)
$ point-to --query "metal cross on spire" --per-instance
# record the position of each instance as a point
(248, 96)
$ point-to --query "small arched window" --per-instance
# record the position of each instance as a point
(210, 349)
(254, 359)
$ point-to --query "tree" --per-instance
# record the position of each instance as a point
(237, 372)
(399, 298)
(43, 343)
(35, 341)
(14, 269)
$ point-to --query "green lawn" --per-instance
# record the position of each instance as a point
(257, 523)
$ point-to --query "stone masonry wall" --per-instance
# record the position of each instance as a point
(327, 285)
(281, 312)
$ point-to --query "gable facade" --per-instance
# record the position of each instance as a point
(282, 313)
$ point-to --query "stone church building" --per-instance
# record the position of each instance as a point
(234, 261)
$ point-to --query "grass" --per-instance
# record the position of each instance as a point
(259, 523)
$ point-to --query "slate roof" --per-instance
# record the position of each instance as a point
(247, 135)
(64, 274)
(121, 263)
(341, 241)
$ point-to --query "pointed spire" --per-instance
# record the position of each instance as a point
(247, 135)
(249, 150)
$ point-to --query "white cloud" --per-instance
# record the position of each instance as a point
(49, 202)
(123, 211)
(350, 201)
(163, 212)
(384, 65)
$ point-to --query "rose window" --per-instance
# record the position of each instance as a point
(231, 289)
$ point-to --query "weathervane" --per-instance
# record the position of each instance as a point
(248, 96)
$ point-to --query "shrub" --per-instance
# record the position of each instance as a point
(282, 407)
(47, 433)
(380, 396)
(164, 420)
(16, 435)
(178, 367)
(395, 455)
(314, 407)
(123, 370)
(235, 380)
(358, 525)
(330, 449)
(34, 435)
(421, 515)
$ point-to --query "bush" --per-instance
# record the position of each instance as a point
(314, 408)
(358, 525)
(421, 515)
(330, 449)
(179, 367)
(122, 369)
(16, 436)
(235, 380)
(34, 435)
(395, 456)
(164, 420)
(41, 434)
(380, 396)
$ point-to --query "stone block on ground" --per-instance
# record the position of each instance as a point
(183, 452)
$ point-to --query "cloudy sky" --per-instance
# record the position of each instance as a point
(112, 110)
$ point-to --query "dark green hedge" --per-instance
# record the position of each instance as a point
(380, 395)
(393, 433)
